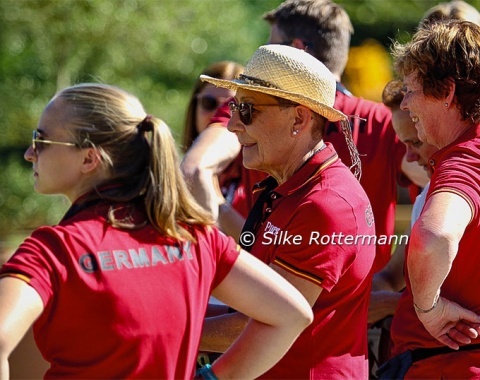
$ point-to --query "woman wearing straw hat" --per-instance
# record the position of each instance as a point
(312, 216)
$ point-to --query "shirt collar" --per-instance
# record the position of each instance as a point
(469, 134)
(307, 172)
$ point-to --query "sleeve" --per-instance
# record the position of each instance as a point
(326, 251)
(36, 262)
(225, 251)
(460, 174)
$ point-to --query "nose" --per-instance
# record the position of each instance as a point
(30, 155)
(411, 155)
(403, 104)
(235, 124)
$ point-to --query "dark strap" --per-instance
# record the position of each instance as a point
(424, 353)
(255, 216)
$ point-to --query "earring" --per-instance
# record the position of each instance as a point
(446, 104)
(295, 132)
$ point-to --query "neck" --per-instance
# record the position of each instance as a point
(289, 171)
(455, 133)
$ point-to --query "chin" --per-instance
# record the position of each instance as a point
(249, 165)
(249, 160)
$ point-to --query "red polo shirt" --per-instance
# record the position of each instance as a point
(456, 169)
(381, 155)
(120, 303)
(310, 225)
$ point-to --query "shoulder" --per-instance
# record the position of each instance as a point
(465, 154)
(333, 204)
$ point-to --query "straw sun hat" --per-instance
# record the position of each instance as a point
(288, 73)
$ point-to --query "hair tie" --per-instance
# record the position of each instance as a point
(146, 125)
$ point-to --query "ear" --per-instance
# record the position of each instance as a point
(303, 115)
(91, 160)
(450, 96)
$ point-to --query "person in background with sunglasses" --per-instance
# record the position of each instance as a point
(205, 100)
(309, 201)
(118, 289)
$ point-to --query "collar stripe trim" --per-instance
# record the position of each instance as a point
(322, 167)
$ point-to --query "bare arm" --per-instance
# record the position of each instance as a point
(220, 332)
(391, 277)
(433, 248)
(434, 244)
(278, 315)
(230, 221)
(21, 306)
(386, 286)
(213, 150)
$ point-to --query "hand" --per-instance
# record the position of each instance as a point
(451, 324)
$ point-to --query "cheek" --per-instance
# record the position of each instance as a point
(277, 147)
(60, 169)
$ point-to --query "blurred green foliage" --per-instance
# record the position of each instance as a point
(152, 48)
(20, 205)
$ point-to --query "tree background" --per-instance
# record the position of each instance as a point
(154, 49)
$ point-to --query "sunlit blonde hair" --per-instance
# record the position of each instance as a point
(140, 154)
(441, 52)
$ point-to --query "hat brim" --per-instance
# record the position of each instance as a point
(322, 109)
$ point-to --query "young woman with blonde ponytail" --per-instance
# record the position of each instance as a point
(118, 289)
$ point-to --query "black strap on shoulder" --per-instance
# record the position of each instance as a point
(255, 216)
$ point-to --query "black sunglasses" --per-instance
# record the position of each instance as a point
(245, 110)
(210, 103)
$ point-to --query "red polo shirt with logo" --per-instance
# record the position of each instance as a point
(120, 303)
(310, 225)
